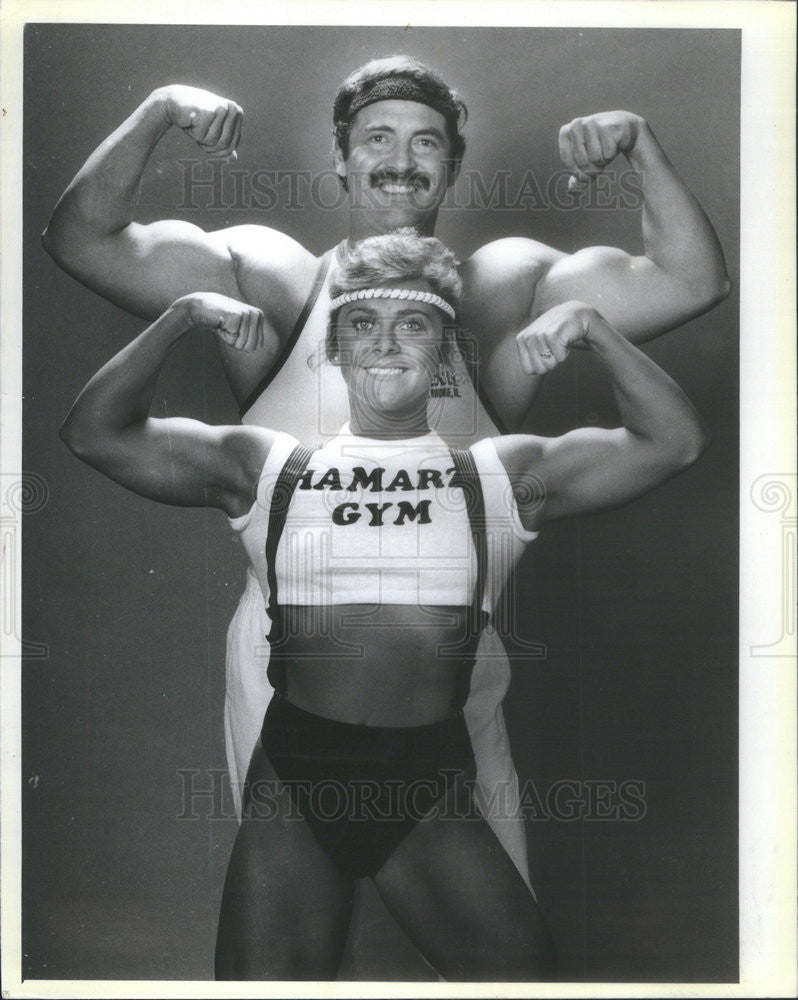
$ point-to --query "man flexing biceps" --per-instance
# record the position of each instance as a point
(398, 148)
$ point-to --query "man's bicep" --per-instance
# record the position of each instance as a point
(145, 268)
(632, 293)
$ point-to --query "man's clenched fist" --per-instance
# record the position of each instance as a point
(213, 122)
(588, 144)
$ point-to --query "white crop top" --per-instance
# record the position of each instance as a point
(378, 522)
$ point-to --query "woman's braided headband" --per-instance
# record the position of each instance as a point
(393, 293)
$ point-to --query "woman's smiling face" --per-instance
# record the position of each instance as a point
(389, 350)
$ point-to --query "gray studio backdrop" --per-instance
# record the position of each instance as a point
(637, 609)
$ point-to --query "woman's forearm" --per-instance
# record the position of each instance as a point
(651, 404)
(171, 459)
(120, 394)
(118, 398)
(591, 468)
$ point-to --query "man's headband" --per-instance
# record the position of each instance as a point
(410, 294)
(397, 88)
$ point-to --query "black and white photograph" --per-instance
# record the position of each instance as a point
(393, 479)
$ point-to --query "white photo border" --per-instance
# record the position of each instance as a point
(767, 354)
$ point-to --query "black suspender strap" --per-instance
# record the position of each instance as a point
(284, 487)
(467, 478)
(310, 302)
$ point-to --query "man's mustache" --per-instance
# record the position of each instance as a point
(409, 177)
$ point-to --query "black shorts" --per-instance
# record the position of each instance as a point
(361, 789)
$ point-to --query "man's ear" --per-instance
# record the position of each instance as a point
(340, 162)
(452, 171)
(446, 348)
(331, 346)
(451, 351)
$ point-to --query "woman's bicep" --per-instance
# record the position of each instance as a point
(175, 461)
(589, 470)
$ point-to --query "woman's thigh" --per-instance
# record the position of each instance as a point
(285, 906)
(461, 900)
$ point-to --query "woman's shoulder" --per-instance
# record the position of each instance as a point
(515, 452)
(258, 448)
(510, 487)
(261, 453)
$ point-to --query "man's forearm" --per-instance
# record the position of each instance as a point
(681, 273)
(100, 200)
(677, 235)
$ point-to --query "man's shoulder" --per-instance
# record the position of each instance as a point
(500, 279)
(264, 248)
(513, 256)
(269, 263)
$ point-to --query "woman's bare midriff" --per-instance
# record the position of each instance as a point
(372, 664)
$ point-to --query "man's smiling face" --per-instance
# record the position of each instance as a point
(396, 167)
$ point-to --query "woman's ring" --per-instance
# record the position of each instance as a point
(546, 354)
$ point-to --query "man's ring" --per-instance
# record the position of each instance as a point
(546, 354)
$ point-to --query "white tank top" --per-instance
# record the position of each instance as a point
(306, 396)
